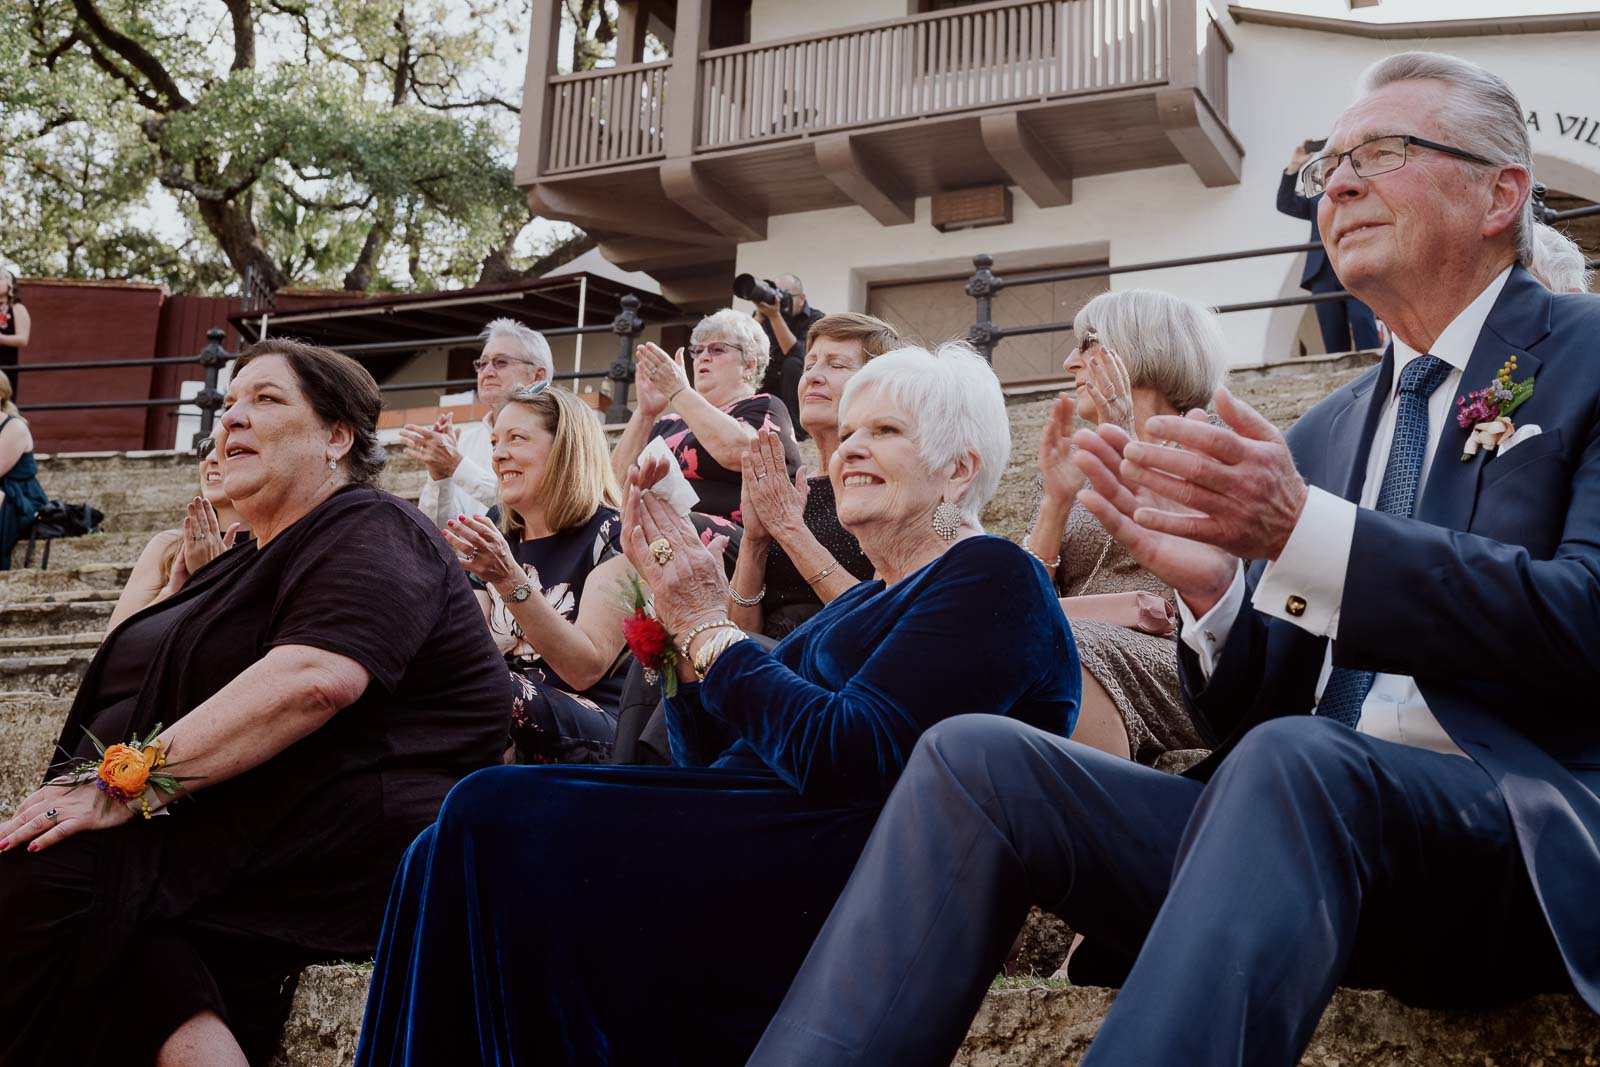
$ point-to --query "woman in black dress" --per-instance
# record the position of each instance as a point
(551, 576)
(709, 424)
(796, 556)
(15, 326)
(322, 686)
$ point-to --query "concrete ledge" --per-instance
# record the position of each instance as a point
(1049, 1026)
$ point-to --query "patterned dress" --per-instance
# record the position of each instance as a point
(551, 720)
(1138, 670)
(717, 485)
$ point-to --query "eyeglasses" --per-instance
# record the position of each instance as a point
(500, 364)
(715, 348)
(1372, 158)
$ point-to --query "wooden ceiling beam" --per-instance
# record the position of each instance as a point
(845, 163)
(1197, 134)
(1028, 163)
(643, 218)
(686, 184)
(649, 254)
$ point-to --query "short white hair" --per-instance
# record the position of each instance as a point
(955, 400)
(1168, 344)
(1481, 115)
(739, 330)
(1558, 262)
(531, 343)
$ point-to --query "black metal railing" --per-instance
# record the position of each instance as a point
(627, 326)
(985, 285)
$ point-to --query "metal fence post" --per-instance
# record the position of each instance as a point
(982, 288)
(627, 326)
(213, 357)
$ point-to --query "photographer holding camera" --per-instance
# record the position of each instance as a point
(1347, 325)
(785, 318)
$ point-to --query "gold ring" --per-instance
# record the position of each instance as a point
(661, 549)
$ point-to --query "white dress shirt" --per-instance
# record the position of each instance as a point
(472, 489)
(1312, 567)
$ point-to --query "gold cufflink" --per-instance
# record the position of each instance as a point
(1295, 606)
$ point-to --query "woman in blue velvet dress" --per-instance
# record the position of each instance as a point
(655, 915)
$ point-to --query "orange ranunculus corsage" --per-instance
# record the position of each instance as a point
(125, 770)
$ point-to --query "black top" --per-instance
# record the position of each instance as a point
(717, 485)
(789, 600)
(799, 324)
(303, 847)
(560, 566)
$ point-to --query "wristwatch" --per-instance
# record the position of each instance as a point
(520, 593)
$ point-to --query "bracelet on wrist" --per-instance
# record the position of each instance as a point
(1050, 564)
(748, 602)
(823, 573)
(688, 638)
(714, 647)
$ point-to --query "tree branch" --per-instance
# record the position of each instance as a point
(323, 205)
(456, 105)
(244, 34)
(133, 53)
(109, 65)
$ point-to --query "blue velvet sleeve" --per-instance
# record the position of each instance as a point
(983, 634)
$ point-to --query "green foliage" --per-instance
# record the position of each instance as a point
(358, 143)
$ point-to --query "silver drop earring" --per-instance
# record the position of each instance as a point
(333, 464)
(946, 520)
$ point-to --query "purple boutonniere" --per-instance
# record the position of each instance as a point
(1487, 412)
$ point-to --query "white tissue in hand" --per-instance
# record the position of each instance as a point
(673, 487)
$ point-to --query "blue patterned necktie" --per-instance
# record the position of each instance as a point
(1347, 688)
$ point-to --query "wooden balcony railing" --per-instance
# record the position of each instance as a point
(928, 64)
(603, 117)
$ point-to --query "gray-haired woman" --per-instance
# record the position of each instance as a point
(711, 879)
(707, 425)
(1140, 353)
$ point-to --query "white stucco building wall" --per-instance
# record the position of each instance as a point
(1285, 85)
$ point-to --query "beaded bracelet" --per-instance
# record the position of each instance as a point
(748, 602)
(1050, 564)
(702, 628)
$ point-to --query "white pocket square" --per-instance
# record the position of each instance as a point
(1521, 434)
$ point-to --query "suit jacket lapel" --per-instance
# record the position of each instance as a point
(1451, 493)
(1358, 422)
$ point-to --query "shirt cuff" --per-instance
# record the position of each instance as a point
(1305, 584)
(1208, 635)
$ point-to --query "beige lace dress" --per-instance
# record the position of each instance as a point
(1138, 670)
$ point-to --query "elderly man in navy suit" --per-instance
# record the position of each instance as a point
(1390, 627)
(1346, 324)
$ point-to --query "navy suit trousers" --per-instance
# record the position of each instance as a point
(1347, 325)
(1316, 856)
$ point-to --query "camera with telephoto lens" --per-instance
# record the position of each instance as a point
(764, 291)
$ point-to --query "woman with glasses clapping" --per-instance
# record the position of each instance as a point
(708, 425)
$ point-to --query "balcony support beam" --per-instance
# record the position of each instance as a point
(649, 254)
(603, 213)
(1027, 162)
(686, 184)
(691, 35)
(844, 163)
(1197, 134)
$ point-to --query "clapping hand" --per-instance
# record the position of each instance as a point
(659, 377)
(437, 447)
(202, 542)
(1198, 571)
(485, 552)
(777, 505)
(685, 576)
(1061, 478)
(1108, 382)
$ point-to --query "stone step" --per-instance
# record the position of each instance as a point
(30, 723)
(116, 549)
(32, 620)
(26, 584)
(70, 596)
(57, 672)
(1051, 1025)
(50, 644)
